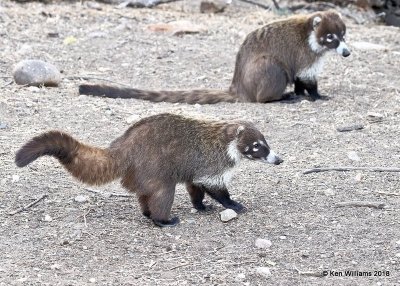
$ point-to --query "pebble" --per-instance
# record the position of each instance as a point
(36, 72)
(3, 125)
(132, 118)
(329, 192)
(227, 215)
(15, 178)
(359, 177)
(241, 276)
(397, 254)
(55, 266)
(283, 237)
(263, 243)
(81, 199)
(263, 271)
(352, 155)
(48, 218)
(92, 280)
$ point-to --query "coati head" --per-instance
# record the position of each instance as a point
(252, 145)
(328, 33)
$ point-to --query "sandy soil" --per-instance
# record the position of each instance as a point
(106, 241)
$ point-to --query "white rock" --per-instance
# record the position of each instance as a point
(81, 199)
(397, 254)
(240, 276)
(352, 155)
(263, 243)
(92, 280)
(55, 266)
(48, 218)
(359, 177)
(227, 215)
(367, 46)
(263, 271)
(15, 178)
(398, 242)
(329, 192)
(132, 118)
(36, 72)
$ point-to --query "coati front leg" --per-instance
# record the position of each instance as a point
(197, 194)
(218, 193)
(310, 85)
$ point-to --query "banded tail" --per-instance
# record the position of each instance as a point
(191, 96)
(91, 165)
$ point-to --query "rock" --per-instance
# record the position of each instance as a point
(352, 155)
(214, 6)
(374, 117)
(3, 125)
(177, 28)
(227, 215)
(240, 277)
(132, 118)
(55, 266)
(92, 280)
(365, 46)
(263, 243)
(283, 237)
(81, 199)
(263, 271)
(48, 218)
(352, 127)
(358, 177)
(329, 192)
(36, 72)
(15, 178)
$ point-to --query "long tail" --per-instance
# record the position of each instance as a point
(190, 96)
(91, 165)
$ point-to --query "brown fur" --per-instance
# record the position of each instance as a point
(152, 156)
(268, 60)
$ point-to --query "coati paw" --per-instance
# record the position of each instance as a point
(204, 208)
(167, 223)
(317, 96)
(237, 207)
(146, 214)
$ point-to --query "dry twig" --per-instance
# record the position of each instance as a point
(108, 194)
(309, 273)
(24, 208)
(370, 169)
(388, 194)
(376, 205)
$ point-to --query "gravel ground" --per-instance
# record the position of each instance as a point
(105, 240)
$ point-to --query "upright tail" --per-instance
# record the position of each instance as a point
(91, 165)
(190, 96)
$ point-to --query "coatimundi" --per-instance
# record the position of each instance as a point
(155, 154)
(281, 53)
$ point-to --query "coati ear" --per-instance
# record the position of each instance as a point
(234, 130)
(316, 21)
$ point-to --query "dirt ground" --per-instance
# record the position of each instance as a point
(106, 241)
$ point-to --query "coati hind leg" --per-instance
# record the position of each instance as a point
(160, 203)
(272, 83)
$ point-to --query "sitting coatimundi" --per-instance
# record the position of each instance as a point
(155, 154)
(281, 53)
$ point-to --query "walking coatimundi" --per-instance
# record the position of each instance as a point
(281, 53)
(155, 154)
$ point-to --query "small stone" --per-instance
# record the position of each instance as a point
(48, 218)
(397, 254)
(352, 155)
(398, 242)
(132, 118)
(36, 72)
(263, 271)
(15, 178)
(193, 211)
(283, 237)
(55, 266)
(240, 276)
(263, 243)
(329, 192)
(374, 117)
(358, 177)
(3, 125)
(214, 6)
(227, 215)
(81, 199)
(92, 280)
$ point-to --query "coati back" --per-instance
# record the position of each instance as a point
(155, 154)
(281, 53)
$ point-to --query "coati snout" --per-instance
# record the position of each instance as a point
(329, 33)
(253, 146)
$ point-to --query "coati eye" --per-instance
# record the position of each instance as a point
(329, 37)
(256, 145)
